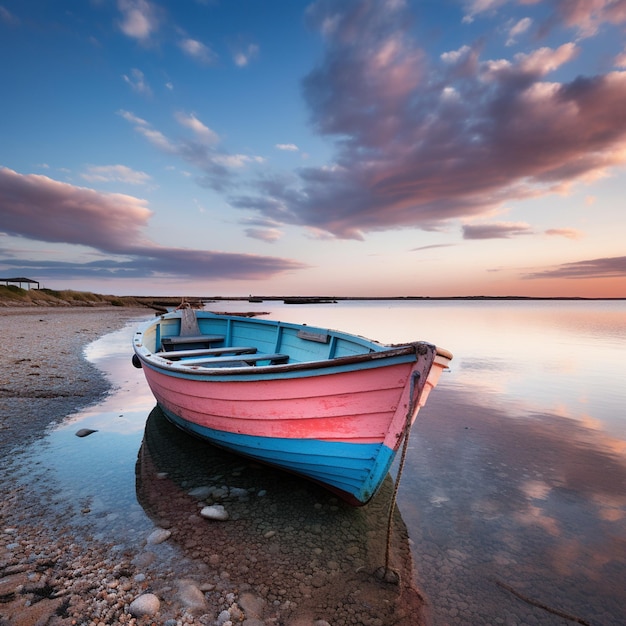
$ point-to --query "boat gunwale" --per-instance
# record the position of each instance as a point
(379, 352)
(337, 362)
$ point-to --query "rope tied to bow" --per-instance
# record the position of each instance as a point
(385, 573)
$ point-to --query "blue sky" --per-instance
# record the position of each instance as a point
(201, 147)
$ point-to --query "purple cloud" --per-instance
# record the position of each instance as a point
(500, 230)
(421, 141)
(39, 208)
(588, 17)
(607, 267)
(434, 245)
(584, 16)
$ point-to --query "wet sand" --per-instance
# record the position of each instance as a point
(52, 573)
(44, 376)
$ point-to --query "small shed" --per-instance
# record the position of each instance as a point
(20, 281)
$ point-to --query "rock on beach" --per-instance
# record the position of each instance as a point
(145, 604)
(215, 512)
(159, 535)
(85, 432)
(191, 597)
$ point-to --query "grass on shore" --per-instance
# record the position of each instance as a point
(16, 296)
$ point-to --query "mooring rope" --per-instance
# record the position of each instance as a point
(387, 574)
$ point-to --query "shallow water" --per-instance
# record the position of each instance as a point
(514, 491)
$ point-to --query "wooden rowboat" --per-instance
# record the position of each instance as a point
(327, 405)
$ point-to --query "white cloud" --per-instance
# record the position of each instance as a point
(289, 147)
(244, 56)
(198, 51)
(115, 173)
(137, 82)
(138, 18)
(450, 94)
(132, 118)
(204, 133)
(454, 55)
(474, 7)
(518, 29)
(236, 160)
(156, 138)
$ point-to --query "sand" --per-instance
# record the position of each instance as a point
(44, 376)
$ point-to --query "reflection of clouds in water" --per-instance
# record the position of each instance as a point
(535, 515)
(538, 492)
(438, 499)
(524, 389)
(610, 508)
(566, 453)
(125, 409)
(483, 365)
(112, 344)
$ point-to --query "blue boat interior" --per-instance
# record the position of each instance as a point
(232, 341)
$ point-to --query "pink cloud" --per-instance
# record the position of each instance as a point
(41, 208)
(37, 207)
(423, 141)
(586, 16)
(139, 18)
(545, 60)
(569, 233)
(589, 15)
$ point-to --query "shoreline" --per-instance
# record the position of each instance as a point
(46, 376)
(27, 299)
(55, 572)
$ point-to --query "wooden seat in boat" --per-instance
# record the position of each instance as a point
(236, 361)
(191, 352)
(171, 343)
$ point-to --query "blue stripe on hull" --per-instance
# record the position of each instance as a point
(353, 469)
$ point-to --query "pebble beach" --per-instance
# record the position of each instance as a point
(218, 552)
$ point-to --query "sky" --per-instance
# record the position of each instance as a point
(328, 147)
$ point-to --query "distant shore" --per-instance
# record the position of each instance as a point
(11, 296)
(327, 299)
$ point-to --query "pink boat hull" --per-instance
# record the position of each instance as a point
(338, 422)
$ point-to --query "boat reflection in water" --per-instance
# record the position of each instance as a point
(286, 539)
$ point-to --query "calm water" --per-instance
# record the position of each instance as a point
(514, 491)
